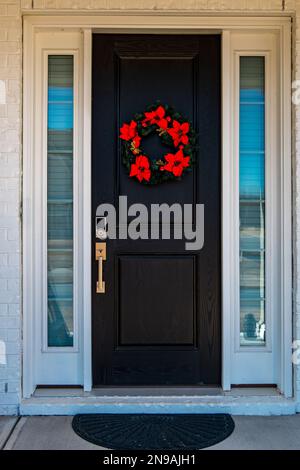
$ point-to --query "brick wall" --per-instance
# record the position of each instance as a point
(10, 186)
(296, 190)
(214, 5)
(10, 157)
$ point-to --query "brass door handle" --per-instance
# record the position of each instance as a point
(100, 257)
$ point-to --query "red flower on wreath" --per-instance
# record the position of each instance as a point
(141, 168)
(176, 162)
(135, 144)
(128, 131)
(157, 117)
(179, 133)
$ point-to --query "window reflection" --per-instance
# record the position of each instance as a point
(252, 201)
(60, 200)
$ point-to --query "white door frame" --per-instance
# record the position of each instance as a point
(147, 23)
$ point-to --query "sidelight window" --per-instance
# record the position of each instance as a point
(60, 200)
(252, 201)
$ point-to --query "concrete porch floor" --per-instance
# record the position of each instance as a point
(56, 433)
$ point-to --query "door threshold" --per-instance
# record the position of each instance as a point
(129, 392)
(68, 402)
(155, 392)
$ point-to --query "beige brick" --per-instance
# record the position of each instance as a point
(213, 4)
(3, 110)
(100, 4)
(14, 34)
(290, 5)
(64, 4)
(39, 4)
(14, 60)
(3, 35)
(13, 10)
(13, 110)
(51, 4)
(3, 60)
(11, 72)
(10, 47)
(26, 4)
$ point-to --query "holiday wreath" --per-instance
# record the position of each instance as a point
(175, 132)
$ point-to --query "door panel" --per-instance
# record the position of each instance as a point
(158, 322)
(153, 320)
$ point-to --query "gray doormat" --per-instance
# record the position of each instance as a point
(153, 431)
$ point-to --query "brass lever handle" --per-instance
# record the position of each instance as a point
(100, 257)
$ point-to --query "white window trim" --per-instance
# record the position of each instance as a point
(159, 23)
(261, 360)
(76, 200)
(58, 365)
(270, 187)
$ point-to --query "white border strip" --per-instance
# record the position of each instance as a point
(87, 216)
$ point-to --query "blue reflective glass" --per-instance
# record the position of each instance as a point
(60, 201)
(252, 201)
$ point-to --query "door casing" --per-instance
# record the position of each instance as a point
(84, 26)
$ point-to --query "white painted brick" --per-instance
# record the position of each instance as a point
(13, 259)
(3, 259)
(14, 309)
(12, 184)
(9, 222)
(3, 110)
(14, 110)
(13, 208)
(13, 361)
(7, 410)
(9, 398)
(13, 235)
(9, 373)
(13, 335)
(8, 196)
(3, 210)
(12, 284)
(3, 309)
(3, 334)
(8, 322)
(3, 234)
(9, 247)
(13, 386)
(8, 297)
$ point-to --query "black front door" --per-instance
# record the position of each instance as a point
(158, 323)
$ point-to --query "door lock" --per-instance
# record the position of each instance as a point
(100, 257)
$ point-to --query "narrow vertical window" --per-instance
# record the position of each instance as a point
(252, 201)
(60, 201)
